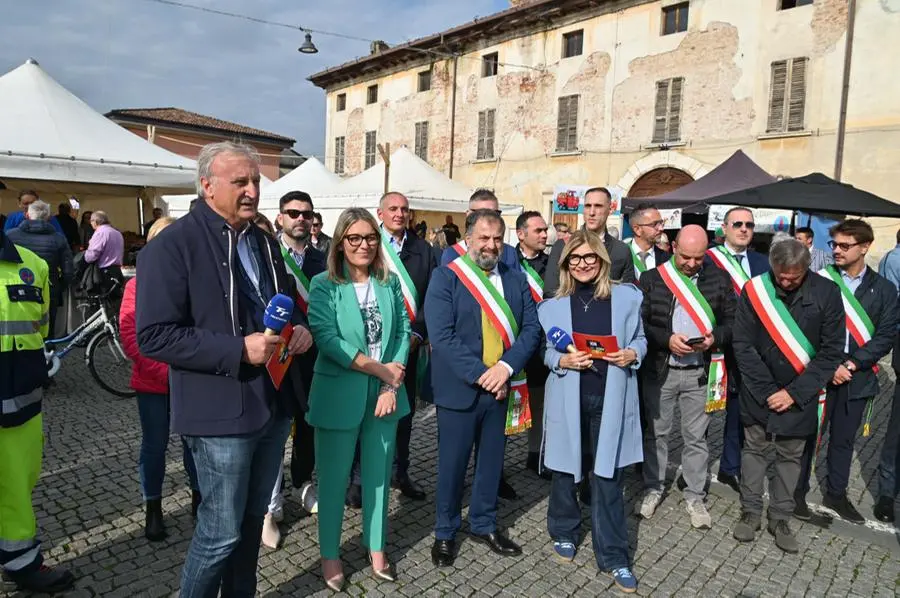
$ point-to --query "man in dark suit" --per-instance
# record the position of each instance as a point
(788, 341)
(303, 261)
(741, 263)
(597, 206)
(872, 320)
(417, 262)
(647, 225)
(476, 350)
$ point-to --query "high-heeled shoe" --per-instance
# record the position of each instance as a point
(386, 574)
(336, 583)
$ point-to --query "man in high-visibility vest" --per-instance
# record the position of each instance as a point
(24, 322)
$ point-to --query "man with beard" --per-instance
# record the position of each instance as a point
(647, 225)
(597, 206)
(303, 261)
(483, 326)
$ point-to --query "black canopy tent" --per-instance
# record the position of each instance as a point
(734, 174)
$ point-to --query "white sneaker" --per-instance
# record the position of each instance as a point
(647, 507)
(278, 515)
(308, 498)
(700, 517)
(271, 535)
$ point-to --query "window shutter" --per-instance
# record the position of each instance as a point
(797, 102)
(482, 123)
(778, 94)
(572, 144)
(489, 139)
(674, 132)
(662, 103)
(562, 124)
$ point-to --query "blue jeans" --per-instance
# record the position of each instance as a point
(610, 531)
(890, 452)
(733, 442)
(236, 475)
(153, 410)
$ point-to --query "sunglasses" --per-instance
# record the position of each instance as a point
(589, 259)
(842, 246)
(741, 224)
(294, 214)
(356, 240)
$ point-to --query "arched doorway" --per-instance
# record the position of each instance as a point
(659, 181)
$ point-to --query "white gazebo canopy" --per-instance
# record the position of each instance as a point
(47, 133)
(312, 177)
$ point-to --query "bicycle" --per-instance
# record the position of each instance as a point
(104, 356)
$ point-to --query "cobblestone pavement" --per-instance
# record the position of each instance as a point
(89, 508)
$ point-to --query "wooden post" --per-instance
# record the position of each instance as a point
(385, 151)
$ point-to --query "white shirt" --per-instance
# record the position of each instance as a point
(650, 262)
(494, 278)
(744, 262)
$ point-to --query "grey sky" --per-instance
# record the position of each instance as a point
(139, 54)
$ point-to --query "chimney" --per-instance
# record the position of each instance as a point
(377, 47)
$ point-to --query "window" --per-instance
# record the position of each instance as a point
(371, 148)
(422, 140)
(567, 124)
(573, 43)
(372, 94)
(667, 119)
(485, 135)
(341, 102)
(489, 64)
(787, 97)
(786, 4)
(339, 155)
(675, 18)
(424, 80)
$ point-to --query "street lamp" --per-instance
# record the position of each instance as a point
(308, 47)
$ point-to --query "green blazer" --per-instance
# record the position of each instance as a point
(339, 395)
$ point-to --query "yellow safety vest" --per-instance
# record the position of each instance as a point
(24, 302)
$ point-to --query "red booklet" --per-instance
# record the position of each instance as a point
(597, 345)
(280, 360)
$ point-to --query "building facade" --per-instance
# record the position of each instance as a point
(645, 95)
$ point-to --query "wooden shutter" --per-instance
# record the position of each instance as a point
(422, 140)
(777, 96)
(482, 125)
(567, 124)
(662, 104)
(797, 95)
(674, 129)
(489, 137)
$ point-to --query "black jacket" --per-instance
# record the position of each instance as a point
(659, 305)
(313, 263)
(817, 308)
(878, 297)
(535, 369)
(70, 229)
(418, 257)
(43, 239)
(189, 316)
(619, 253)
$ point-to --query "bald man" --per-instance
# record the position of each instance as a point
(688, 312)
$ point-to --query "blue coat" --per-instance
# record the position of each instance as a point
(453, 318)
(620, 442)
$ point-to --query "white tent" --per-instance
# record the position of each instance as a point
(47, 133)
(312, 177)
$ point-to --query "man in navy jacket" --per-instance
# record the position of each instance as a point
(204, 285)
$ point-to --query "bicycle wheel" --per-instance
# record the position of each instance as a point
(108, 364)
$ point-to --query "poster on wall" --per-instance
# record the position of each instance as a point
(671, 218)
(569, 199)
(767, 220)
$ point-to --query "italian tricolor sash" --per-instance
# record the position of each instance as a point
(395, 265)
(494, 305)
(700, 312)
(722, 258)
(639, 266)
(301, 279)
(859, 325)
(461, 248)
(784, 331)
(535, 283)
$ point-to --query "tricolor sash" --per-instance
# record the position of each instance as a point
(639, 266)
(784, 331)
(859, 325)
(461, 248)
(494, 305)
(700, 312)
(535, 283)
(301, 279)
(395, 265)
(722, 258)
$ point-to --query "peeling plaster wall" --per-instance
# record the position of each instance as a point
(725, 59)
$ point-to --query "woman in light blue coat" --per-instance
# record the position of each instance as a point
(591, 415)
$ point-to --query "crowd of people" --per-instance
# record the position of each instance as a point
(585, 343)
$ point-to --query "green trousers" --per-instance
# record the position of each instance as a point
(334, 458)
(21, 450)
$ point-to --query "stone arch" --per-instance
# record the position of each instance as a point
(660, 160)
(659, 181)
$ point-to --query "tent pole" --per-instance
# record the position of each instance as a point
(385, 151)
(845, 92)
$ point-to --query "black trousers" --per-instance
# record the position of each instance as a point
(842, 418)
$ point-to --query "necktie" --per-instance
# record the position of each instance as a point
(644, 255)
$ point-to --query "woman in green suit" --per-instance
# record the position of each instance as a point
(359, 322)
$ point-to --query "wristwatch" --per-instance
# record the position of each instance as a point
(850, 365)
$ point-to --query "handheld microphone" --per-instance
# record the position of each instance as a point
(278, 314)
(563, 343)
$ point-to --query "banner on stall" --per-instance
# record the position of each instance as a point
(672, 218)
(767, 220)
(569, 199)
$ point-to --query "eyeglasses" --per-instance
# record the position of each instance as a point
(654, 224)
(306, 214)
(356, 240)
(842, 246)
(740, 224)
(589, 259)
